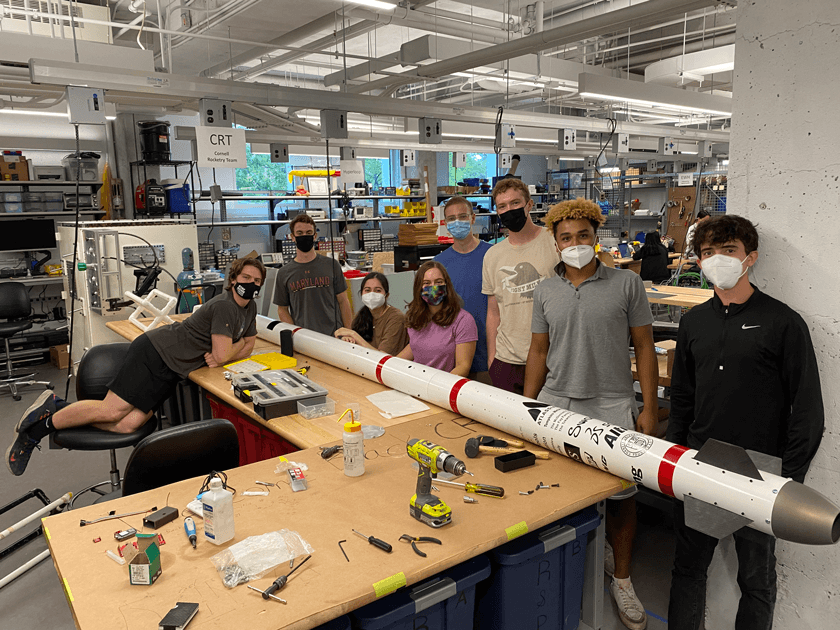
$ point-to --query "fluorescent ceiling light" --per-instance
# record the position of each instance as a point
(35, 112)
(375, 4)
(650, 95)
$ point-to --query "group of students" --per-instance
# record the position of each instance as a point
(540, 315)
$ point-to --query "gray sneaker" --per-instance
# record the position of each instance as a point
(45, 404)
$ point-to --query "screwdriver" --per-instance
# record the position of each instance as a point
(280, 582)
(376, 542)
(189, 527)
(477, 488)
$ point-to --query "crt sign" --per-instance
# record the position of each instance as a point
(221, 147)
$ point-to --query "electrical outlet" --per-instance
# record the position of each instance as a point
(567, 140)
(215, 112)
(279, 152)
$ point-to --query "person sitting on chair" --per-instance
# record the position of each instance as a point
(377, 325)
(221, 331)
(654, 257)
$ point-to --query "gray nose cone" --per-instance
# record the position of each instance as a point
(803, 515)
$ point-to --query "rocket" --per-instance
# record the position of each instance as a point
(723, 486)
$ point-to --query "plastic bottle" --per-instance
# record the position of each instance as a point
(354, 449)
(217, 504)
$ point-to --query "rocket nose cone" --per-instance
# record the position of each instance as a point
(803, 515)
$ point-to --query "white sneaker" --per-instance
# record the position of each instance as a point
(630, 609)
(609, 559)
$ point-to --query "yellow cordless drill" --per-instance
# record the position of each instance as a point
(425, 506)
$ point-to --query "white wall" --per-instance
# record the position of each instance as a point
(784, 176)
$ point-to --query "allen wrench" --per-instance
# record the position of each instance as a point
(342, 549)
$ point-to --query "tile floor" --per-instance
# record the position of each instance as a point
(35, 600)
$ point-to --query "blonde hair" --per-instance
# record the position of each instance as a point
(579, 208)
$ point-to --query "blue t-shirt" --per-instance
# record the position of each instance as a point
(465, 271)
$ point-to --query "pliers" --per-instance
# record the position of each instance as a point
(413, 540)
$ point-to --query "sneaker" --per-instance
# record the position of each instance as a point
(609, 559)
(43, 405)
(18, 454)
(630, 609)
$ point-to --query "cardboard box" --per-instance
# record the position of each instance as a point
(14, 168)
(60, 356)
(670, 345)
(144, 562)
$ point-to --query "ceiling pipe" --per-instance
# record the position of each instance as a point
(462, 17)
(634, 16)
(658, 55)
(424, 22)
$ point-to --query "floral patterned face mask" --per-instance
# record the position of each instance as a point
(433, 294)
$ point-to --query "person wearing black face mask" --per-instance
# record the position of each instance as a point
(510, 273)
(310, 291)
(222, 331)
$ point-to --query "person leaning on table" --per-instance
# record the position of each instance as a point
(377, 325)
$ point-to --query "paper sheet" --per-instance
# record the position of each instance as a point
(396, 404)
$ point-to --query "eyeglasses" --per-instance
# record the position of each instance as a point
(459, 217)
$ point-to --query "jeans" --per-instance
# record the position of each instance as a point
(756, 577)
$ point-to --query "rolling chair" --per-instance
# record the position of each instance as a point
(182, 452)
(15, 308)
(96, 369)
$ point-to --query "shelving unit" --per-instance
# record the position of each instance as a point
(172, 164)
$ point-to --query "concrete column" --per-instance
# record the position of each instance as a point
(425, 159)
(783, 175)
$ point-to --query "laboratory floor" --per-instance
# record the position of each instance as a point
(35, 600)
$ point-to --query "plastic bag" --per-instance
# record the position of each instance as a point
(285, 465)
(255, 556)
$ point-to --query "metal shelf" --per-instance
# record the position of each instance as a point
(66, 213)
(50, 182)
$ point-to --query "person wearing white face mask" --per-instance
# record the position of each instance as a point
(463, 262)
(745, 373)
(377, 325)
(579, 360)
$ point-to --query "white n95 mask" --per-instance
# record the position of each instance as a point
(723, 271)
(373, 300)
(578, 256)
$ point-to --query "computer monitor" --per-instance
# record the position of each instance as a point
(27, 235)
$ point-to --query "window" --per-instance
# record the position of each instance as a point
(262, 173)
(479, 165)
(378, 172)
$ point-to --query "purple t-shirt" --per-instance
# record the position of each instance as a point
(435, 345)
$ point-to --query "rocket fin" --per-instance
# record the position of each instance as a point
(767, 463)
(728, 457)
(712, 520)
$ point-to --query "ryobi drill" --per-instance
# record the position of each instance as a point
(424, 506)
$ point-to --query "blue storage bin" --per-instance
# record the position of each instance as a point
(443, 602)
(537, 580)
(339, 623)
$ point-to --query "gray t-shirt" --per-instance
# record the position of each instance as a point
(589, 329)
(182, 345)
(309, 291)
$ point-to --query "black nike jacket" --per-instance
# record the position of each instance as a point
(747, 374)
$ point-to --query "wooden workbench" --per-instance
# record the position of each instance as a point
(678, 296)
(101, 598)
(343, 388)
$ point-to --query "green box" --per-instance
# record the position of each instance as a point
(144, 567)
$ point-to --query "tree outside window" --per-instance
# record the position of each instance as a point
(262, 173)
(480, 165)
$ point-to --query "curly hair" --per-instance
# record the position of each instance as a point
(418, 313)
(510, 183)
(579, 208)
(724, 229)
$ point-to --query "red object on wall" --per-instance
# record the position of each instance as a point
(256, 443)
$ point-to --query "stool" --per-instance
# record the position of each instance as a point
(14, 308)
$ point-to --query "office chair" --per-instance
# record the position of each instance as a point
(188, 450)
(15, 309)
(96, 369)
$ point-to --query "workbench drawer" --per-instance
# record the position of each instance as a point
(537, 579)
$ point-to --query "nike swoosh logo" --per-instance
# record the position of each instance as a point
(745, 327)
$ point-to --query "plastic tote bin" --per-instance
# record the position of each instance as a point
(537, 580)
(443, 602)
(339, 623)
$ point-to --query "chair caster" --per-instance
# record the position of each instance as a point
(50, 386)
(16, 398)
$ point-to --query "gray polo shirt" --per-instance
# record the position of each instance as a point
(589, 328)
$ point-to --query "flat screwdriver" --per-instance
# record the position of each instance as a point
(477, 488)
(376, 542)
(280, 582)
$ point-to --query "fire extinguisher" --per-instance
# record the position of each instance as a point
(140, 197)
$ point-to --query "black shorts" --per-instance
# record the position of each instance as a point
(144, 380)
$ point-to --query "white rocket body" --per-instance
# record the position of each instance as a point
(730, 500)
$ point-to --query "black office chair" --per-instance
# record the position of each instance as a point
(96, 369)
(178, 453)
(15, 309)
